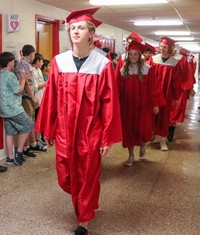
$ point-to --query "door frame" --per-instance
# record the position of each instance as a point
(0, 33)
(2, 141)
(55, 39)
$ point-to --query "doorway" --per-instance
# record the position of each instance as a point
(45, 45)
(0, 33)
(47, 37)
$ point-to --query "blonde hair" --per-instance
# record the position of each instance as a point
(91, 28)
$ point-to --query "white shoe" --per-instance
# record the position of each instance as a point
(130, 161)
(142, 150)
(163, 146)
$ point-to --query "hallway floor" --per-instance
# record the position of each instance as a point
(159, 195)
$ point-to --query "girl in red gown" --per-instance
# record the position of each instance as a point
(139, 93)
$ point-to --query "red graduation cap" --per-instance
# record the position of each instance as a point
(167, 41)
(83, 15)
(150, 47)
(135, 37)
(134, 45)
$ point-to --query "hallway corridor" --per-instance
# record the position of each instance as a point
(159, 195)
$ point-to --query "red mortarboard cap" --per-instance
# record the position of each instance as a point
(167, 41)
(135, 36)
(184, 51)
(134, 45)
(148, 46)
(83, 15)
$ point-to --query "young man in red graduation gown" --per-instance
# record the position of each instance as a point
(169, 75)
(178, 113)
(80, 111)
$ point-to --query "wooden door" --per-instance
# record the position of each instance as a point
(47, 36)
(45, 40)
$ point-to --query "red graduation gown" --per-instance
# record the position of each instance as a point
(178, 113)
(137, 99)
(120, 63)
(192, 65)
(168, 74)
(80, 110)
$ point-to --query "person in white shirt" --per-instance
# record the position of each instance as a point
(39, 87)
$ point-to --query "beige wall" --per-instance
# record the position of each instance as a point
(27, 9)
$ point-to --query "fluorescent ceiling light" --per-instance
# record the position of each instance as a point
(190, 46)
(183, 38)
(157, 22)
(174, 33)
(125, 2)
(187, 43)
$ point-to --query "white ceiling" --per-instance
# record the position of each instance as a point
(123, 16)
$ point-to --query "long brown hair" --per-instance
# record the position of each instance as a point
(140, 64)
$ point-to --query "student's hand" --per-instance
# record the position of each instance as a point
(49, 142)
(104, 150)
(156, 110)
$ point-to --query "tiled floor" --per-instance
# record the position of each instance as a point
(157, 196)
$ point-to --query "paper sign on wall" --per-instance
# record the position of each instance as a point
(13, 23)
